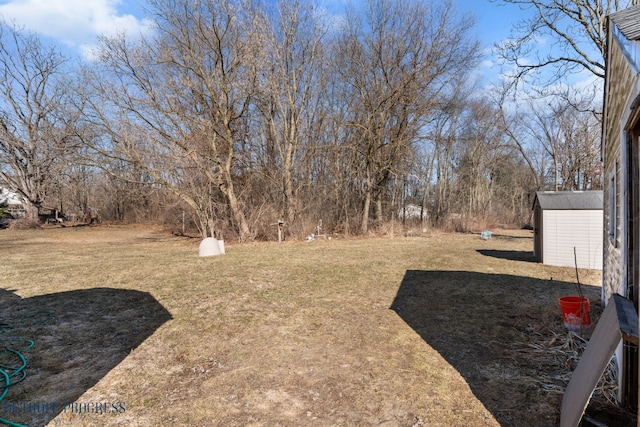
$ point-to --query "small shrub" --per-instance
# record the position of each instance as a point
(3, 210)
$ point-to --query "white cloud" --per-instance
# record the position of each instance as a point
(76, 23)
(488, 65)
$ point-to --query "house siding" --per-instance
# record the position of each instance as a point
(620, 121)
(618, 92)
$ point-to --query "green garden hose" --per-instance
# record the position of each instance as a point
(10, 374)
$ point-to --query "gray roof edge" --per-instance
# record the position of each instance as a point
(570, 200)
(628, 21)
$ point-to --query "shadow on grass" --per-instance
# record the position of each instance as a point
(509, 255)
(482, 325)
(78, 337)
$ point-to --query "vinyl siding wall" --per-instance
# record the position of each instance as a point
(565, 229)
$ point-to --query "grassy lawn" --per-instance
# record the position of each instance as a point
(137, 330)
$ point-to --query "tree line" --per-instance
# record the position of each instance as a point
(233, 115)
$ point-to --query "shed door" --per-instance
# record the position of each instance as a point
(537, 233)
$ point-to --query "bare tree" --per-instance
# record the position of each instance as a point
(394, 64)
(291, 101)
(513, 187)
(578, 151)
(576, 28)
(37, 123)
(480, 144)
(442, 136)
(177, 105)
(569, 138)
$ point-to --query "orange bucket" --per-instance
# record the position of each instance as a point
(571, 312)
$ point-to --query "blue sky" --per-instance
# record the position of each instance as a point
(493, 24)
(78, 19)
(494, 20)
(77, 23)
(74, 23)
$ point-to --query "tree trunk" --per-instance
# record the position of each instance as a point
(379, 216)
(237, 212)
(290, 200)
(31, 211)
(556, 172)
(364, 226)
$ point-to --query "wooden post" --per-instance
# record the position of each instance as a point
(280, 228)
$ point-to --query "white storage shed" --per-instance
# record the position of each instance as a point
(564, 220)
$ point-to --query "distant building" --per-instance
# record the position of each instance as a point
(412, 211)
(13, 200)
(9, 197)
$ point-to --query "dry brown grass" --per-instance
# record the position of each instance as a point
(431, 330)
(24, 224)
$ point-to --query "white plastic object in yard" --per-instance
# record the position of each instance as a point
(211, 246)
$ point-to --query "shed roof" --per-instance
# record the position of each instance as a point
(628, 22)
(569, 200)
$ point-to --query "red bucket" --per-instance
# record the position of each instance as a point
(571, 312)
